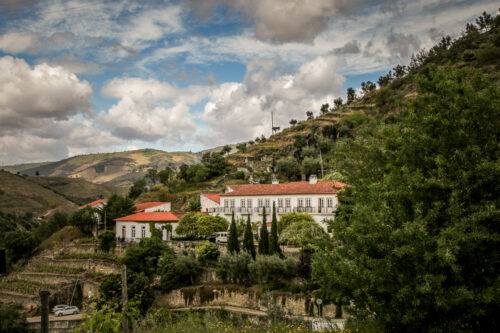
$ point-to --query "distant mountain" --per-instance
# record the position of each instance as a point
(114, 169)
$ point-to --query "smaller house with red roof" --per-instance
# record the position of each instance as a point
(148, 207)
(95, 204)
(133, 227)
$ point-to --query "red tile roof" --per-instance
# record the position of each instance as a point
(321, 187)
(143, 206)
(94, 203)
(150, 217)
(212, 196)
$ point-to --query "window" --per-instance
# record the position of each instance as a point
(268, 203)
(308, 202)
(260, 203)
(133, 232)
(301, 203)
(226, 203)
(242, 203)
(280, 203)
(287, 203)
(232, 203)
(321, 202)
(143, 232)
(124, 231)
(329, 202)
(249, 203)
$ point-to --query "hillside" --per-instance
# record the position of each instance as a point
(20, 195)
(475, 51)
(115, 169)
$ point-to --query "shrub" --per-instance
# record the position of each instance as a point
(180, 273)
(208, 252)
(11, 319)
(272, 270)
(239, 175)
(146, 257)
(233, 268)
(107, 241)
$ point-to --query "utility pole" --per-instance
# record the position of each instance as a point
(44, 300)
(124, 300)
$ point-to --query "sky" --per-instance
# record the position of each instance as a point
(80, 76)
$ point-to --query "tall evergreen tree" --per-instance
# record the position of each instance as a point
(233, 245)
(248, 244)
(264, 235)
(273, 239)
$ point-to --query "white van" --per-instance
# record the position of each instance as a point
(218, 237)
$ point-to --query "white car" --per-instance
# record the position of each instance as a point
(59, 307)
(69, 310)
(218, 237)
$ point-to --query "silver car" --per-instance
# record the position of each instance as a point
(59, 307)
(69, 310)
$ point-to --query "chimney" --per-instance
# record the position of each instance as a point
(275, 181)
(313, 179)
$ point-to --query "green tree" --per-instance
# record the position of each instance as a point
(233, 244)
(418, 228)
(325, 108)
(195, 205)
(225, 150)
(290, 218)
(198, 225)
(107, 241)
(11, 320)
(20, 244)
(85, 220)
(264, 235)
(273, 238)
(288, 167)
(184, 271)
(304, 233)
(208, 252)
(351, 95)
(309, 115)
(165, 175)
(293, 122)
(248, 244)
(146, 257)
(310, 166)
(117, 206)
(152, 176)
(54, 223)
(136, 189)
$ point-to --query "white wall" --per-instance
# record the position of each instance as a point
(138, 230)
(206, 204)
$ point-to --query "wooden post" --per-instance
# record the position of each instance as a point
(124, 299)
(44, 297)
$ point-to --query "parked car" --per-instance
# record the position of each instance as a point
(218, 237)
(59, 307)
(69, 310)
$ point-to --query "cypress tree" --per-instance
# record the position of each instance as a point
(264, 235)
(248, 244)
(273, 239)
(233, 246)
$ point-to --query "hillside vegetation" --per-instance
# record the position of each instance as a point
(115, 169)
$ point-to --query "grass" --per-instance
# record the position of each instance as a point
(58, 269)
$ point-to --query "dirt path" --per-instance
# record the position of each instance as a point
(37, 319)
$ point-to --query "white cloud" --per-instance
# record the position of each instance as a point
(242, 111)
(72, 63)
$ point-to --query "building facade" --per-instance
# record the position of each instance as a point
(319, 199)
(136, 226)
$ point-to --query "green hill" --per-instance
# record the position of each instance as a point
(116, 169)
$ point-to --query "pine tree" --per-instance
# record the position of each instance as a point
(264, 235)
(233, 246)
(273, 239)
(248, 244)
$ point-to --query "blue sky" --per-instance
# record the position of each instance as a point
(84, 76)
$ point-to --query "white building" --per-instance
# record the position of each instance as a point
(148, 207)
(136, 226)
(319, 199)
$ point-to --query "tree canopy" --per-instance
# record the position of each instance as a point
(198, 225)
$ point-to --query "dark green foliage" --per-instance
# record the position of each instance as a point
(85, 220)
(233, 244)
(272, 270)
(304, 265)
(225, 150)
(107, 241)
(273, 238)
(165, 175)
(181, 272)
(248, 244)
(239, 175)
(290, 218)
(293, 122)
(309, 115)
(135, 190)
(325, 108)
(116, 207)
(288, 167)
(310, 166)
(11, 320)
(208, 252)
(145, 258)
(233, 268)
(264, 235)
(195, 205)
(241, 147)
(138, 289)
(216, 163)
(152, 176)
(19, 244)
(351, 95)
(419, 225)
(54, 223)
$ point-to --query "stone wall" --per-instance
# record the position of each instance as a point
(233, 295)
(57, 326)
(96, 265)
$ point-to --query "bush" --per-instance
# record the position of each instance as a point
(107, 241)
(84, 219)
(288, 167)
(195, 205)
(11, 320)
(180, 273)
(208, 252)
(233, 268)
(145, 258)
(272, 270)
(19, 244)
(239, 175)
